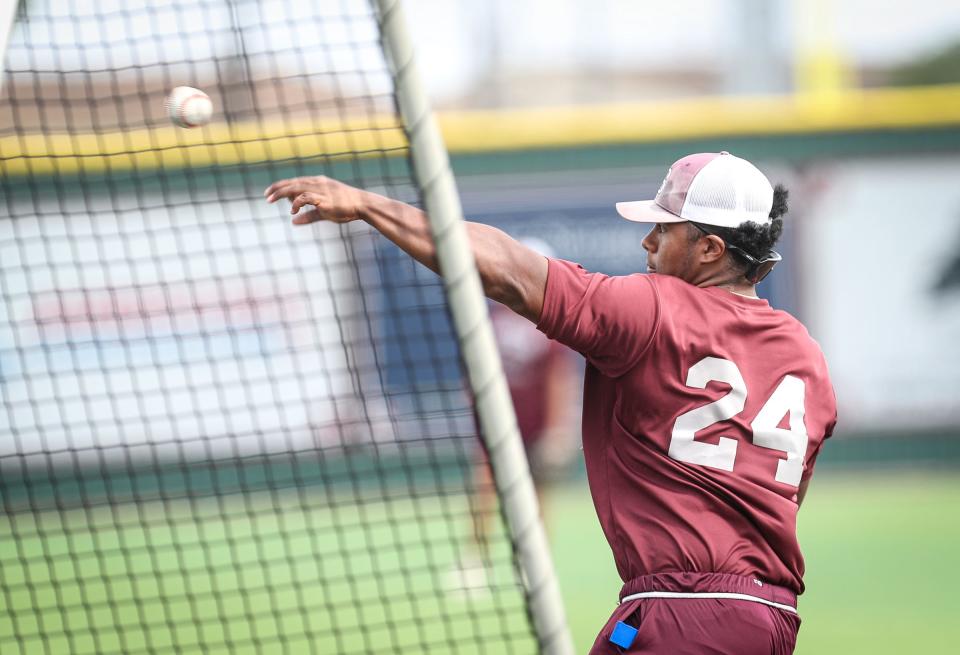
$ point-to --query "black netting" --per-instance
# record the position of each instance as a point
(219, 433)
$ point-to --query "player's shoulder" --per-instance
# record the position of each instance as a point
(684, 298)
(618, 289)
(670, 284)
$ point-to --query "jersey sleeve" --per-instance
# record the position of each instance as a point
(609, 320)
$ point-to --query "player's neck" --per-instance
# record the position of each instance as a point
(723, 280)
(747, 291)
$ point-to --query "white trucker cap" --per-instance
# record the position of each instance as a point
(713, 188)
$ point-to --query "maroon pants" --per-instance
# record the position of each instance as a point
(677, 625)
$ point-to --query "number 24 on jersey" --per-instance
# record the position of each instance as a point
(786, 398)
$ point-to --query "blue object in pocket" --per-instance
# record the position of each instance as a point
(623, 635)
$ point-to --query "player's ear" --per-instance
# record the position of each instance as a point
(711, 248)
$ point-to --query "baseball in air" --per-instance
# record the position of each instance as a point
(189, 107)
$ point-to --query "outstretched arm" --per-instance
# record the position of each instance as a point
(511, 273)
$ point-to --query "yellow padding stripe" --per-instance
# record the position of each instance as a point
(484, 131)
(216, 144)
(702, 117)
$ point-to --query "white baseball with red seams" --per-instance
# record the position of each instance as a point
(189, 107)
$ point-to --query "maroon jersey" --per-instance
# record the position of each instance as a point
(703, 412)
(529, 358)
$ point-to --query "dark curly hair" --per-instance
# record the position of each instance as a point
(755, 239)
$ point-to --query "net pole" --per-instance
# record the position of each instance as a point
(472, 325)
(8, 12)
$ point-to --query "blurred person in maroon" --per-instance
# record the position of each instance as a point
(704, 408)
(541, 374)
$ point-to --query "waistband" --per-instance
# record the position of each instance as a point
(709, 585)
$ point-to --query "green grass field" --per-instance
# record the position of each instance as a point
(251, 573)
(189, 577)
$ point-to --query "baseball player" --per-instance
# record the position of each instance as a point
(704, 409)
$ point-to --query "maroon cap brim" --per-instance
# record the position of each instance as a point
(646, 211)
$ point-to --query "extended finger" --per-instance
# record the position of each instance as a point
(286, 188)
(272, 189)
(283, 189)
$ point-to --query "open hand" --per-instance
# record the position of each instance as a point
(331, 200)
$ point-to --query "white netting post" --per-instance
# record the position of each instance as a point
(8, 11)
(471, 322)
